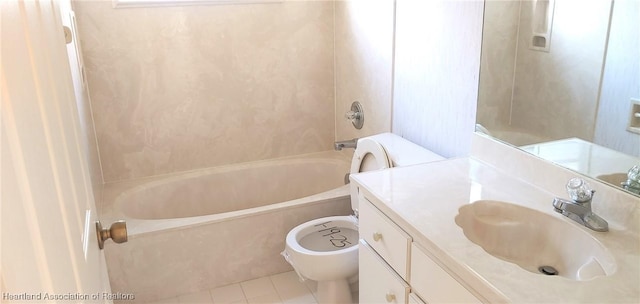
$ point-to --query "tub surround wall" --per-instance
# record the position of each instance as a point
(555, 93)
(499, 42)
(364, 64)
(437, 59)
(179, 88)
(175, 91)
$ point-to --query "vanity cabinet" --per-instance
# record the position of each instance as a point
(433, 283)
(394, 269)
(385, 237)
(414, 299)
(383, 284)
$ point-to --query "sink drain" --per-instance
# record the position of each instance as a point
(548, 270)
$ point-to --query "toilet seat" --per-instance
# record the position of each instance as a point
(332, 234)
(366, 149)
(338, 264)
(368, 156)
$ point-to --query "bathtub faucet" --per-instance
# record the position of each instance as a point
(352, 143)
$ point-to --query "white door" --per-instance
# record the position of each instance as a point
(48, 239)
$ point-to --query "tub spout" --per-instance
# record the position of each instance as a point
(339, 145)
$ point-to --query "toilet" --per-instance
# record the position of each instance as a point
(326, 249)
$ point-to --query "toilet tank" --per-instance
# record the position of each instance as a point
(402, 152)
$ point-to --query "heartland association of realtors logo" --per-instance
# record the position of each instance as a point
(45, 296)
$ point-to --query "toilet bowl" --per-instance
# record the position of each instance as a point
(326, 249)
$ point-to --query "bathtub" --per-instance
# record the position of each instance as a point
(513, 136)
(518, 138)
(203, 229)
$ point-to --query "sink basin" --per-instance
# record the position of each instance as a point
(535, 241)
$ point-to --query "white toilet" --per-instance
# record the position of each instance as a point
(326, 249)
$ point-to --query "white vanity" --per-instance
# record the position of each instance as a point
(390, 259)
(412, 250)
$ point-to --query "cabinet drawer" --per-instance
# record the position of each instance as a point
(385, 237)
(434, 284)
(414, 299)
(378, 282)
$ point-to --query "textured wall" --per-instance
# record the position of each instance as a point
(556, 93)
(437, 59)
(621, 80)
(364, 64)
(497, 67)
(179, 88)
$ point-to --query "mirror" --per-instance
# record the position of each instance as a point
(561, 79)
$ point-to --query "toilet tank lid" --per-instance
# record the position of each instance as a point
(402, 152)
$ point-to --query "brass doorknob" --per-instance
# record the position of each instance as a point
(390, 297)
(117, 232)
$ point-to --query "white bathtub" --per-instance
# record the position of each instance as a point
(208, 228)
(518, 138)
(511, 135)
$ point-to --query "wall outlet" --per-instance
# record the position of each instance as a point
(634, 118)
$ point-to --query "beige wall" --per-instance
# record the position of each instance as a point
(621, 80)
(437, 60)
(497, 67)
(364, 64)
(180, 88)
(556, 93)
(548, 95)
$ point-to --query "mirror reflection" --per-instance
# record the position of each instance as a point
(561, 79)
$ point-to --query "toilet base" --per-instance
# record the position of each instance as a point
(334, 292)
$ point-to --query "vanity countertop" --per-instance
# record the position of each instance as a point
(424, 200)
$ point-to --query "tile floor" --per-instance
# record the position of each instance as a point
(283, 288)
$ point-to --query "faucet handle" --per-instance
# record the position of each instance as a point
(356, 115)
(352, 115)
(579, 190)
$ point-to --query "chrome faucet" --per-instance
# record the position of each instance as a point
(632, 184)
(579, 207)
(352, 143)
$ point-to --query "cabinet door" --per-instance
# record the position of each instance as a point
(414, 299)
(385, 237)
(433, 283)
(378, 282)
